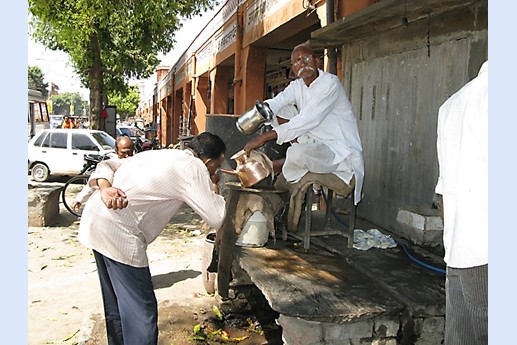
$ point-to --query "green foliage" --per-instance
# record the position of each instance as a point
(61, 104)
(36, 80)
(126, 103)
(110, 42)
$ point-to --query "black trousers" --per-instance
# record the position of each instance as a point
(130, 306)
(466, 314)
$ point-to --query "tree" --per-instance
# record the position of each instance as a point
(61, 104)
(36, 80)
(110, 42)
(126, 103)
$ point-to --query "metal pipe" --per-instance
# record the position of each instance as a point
(238, 98)
(331, 52)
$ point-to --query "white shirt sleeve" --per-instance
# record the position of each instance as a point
(106, 170)
(203, 200)
(84, 194)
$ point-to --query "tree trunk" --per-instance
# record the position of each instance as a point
(96, 85)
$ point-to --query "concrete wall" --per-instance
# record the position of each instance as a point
(397, 81)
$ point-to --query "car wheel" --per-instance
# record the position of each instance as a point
(40, 172)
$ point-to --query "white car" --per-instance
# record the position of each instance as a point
(60, 152)
(56, 121)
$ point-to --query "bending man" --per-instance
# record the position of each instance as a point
(125, 216)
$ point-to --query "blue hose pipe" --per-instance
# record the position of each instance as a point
(404, 249)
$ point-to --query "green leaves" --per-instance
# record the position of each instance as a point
(61, 103)
(217, 312)
(126, 103)
(110, 42)
(35, 76)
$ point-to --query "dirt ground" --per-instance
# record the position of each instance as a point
(65, 303)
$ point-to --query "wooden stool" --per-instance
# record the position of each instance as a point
(302, 191)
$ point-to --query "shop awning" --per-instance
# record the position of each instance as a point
(382, 16)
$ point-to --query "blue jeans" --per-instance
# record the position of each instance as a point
(130, 306)
(466, 307)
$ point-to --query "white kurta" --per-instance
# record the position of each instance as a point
(156, 183)
(462, 147)
(325, 118)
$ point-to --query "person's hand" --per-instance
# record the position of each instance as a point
(114, 198)
(253, 144)
(215, 178)
(76, 205)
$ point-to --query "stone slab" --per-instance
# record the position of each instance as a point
(43, 205)
(316, 286)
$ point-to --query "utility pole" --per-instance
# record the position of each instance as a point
(49, 75)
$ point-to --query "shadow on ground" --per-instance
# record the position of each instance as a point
(166, 280)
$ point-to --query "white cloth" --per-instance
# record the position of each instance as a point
(325, 117)
(364, 240)
(156, 183)
(462, 147)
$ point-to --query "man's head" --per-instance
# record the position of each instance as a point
(210, 149)
(304, 63)
(66, 118)
(125, 147)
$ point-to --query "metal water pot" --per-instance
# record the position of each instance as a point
(253, 119)
(250, 170)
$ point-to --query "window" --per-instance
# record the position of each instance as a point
(55, 140)
(83, 142)
(105, 140)
(40, 139)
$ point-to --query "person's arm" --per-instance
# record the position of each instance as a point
(112, 197)
(101, 177)
(82, 197)
(84, 194)
(105, 169)
(259, 141)
(200, 196)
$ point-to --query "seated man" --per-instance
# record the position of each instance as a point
(324, 133)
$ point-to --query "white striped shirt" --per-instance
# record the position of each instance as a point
(156, 183)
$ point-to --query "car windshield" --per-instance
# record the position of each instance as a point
(105, 140)
(131, 131)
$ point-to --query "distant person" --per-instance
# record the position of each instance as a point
(67, 122)
(124, 148)
(81, 123)
(120, 221)
(462, 147)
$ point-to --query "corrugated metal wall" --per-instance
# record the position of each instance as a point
(396, 97)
